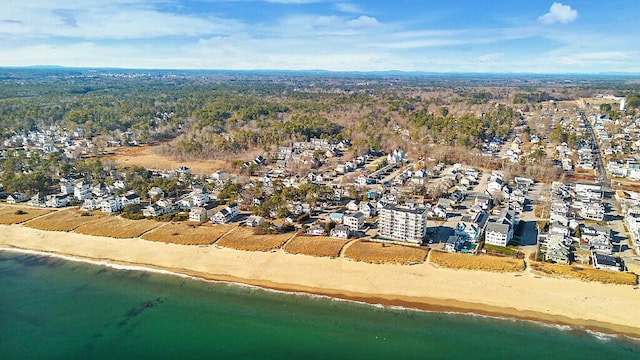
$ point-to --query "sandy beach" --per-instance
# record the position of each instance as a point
(599, 307)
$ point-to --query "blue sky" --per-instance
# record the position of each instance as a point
(539, 36)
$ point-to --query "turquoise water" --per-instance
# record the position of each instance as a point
(55, 309)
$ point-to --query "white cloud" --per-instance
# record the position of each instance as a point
(363, 21)
(348, 8)
(94, 20)
(559, 13)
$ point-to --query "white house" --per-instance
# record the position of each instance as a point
(340, 231)
(57, 200)
(201, 213)
(225, 215)
(16, 197)
(354, 221)
(500, 232)
(82, 190)
(255, 220)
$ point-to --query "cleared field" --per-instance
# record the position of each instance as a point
(64, 220)
(10, 214)
(187, 234)
(381, 253)
(315, 246)
(245, 239)
(476, 262)
(585, 273)
(117, 227)
(148, 157)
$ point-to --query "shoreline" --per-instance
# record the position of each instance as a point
(44, 243)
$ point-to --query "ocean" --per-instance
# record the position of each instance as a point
(52, 308)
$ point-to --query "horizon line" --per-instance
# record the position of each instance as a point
(382, 72)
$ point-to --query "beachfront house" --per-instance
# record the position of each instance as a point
(57, 200)
(225, 215)
(340, 231)
(202, 213)
(82, 190)
(16, 197)
(500, 232)
(255, 220)
(607, 262)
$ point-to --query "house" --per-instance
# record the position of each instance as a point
(254, 220)
(471, 227)
(90, 204)
(153, 210)
(225, 215)
(202, 213)
(111, 205)
(353, 205)
(16, 197)
(454, 243)
(367, 209)
(340, 231)
(316, 230)
(354, 221)
(336, 217)
(57, 200)
(100, 190)
(37, 200)
(129, 199)
(500, 232)
(81, 190)
(607, 262)
(66, 187)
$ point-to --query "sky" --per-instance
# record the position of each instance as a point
(500, 36)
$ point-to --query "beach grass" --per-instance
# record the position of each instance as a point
(322, 246)
(10, 214)
(585, 273)
(243, 238)
(476, 262)
(187, 234)
(382, 253)
(117, 227)
(64, 220)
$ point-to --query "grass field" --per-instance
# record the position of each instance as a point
(187, 234)
(315, 246)
(476, 262)
(585, 273)
(381, 253)
(117, 227)
(243, 238)
(9, 214)
(64, 220)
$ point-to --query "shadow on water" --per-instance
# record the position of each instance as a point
(134, 312)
